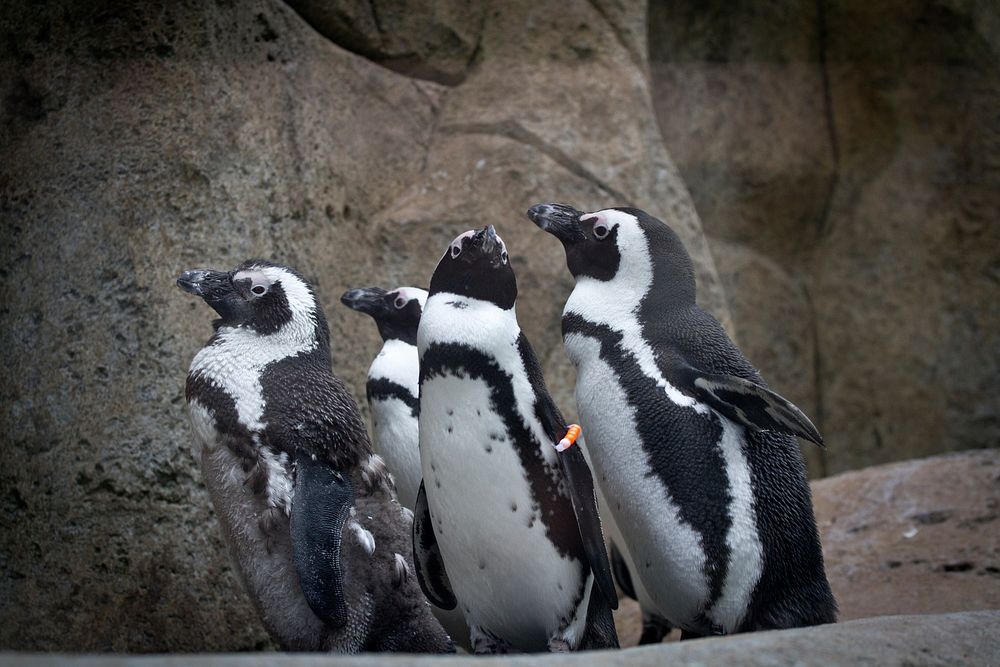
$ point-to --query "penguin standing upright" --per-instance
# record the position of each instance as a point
(394, 379)
(694, 455)
(393, 390)
(308, 512)
(505, 526)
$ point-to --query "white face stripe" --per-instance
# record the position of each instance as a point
(457, 242)
(411, 293)
(615, 303)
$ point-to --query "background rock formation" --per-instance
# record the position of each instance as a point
(843, 157)
(848, 183)
(141, 139)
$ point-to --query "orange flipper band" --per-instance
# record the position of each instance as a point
(572, 433)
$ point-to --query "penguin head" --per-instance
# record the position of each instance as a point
(396, 312)
(259, 296)
(477, 265)
(619, 243)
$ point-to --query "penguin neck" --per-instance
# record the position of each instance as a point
(476, 323)
(406, 333)
(397, 362)
(245, 347)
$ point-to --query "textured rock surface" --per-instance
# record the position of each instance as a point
(429, 39)
(853, 144)
(140, 141)
(918, 537)
(911, 641)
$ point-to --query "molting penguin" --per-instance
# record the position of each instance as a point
(393, 380)
(308, 512)
(693, 452)
(393, 396)
(505, 526)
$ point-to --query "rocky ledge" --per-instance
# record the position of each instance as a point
(967, 638)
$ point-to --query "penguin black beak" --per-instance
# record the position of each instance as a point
(490, 239)
(190, 281)
(206, 283)
(367, 300)
(560, 220)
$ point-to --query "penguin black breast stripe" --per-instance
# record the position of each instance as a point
(213, 398)
(550, 497)
(383, 389)
(704, 472)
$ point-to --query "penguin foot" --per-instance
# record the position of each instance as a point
(559, 645)
(485, 643)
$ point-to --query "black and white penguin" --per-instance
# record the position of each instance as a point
(505, 527)
(393, 390)
(694, 454)
(393, 385)
(308, 511)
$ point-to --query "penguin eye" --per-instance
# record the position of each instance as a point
(600, 231)
(456, 250)
(399, 302)
(503, 257)
(259, 290)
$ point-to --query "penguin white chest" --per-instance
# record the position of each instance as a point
(396, 434)
(507, 575)
(667, 552)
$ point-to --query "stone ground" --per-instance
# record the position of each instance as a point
(968, 638)
(918, 537)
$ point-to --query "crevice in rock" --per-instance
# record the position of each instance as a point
(823, 224)
(509, 129)
(408, 66)
(620, 35)
(817, 361)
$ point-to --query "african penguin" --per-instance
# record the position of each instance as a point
(393, 396)
(393, 380)
(505, 527)
(308, 512)
(694, 454)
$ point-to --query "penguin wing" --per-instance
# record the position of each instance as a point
(431, 575)
(747, 403)
(579, 479)
(588, 520)
(320, 506)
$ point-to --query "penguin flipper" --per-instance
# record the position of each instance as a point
(599, 631)
(579, 478)
(320, 507)
(748, 403)
(581, 488)
(431, 575)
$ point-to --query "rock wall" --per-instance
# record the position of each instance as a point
(843, 158)
(140, 139)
